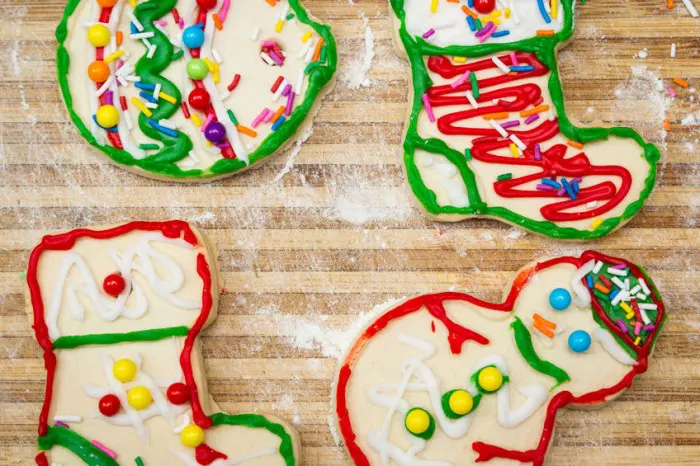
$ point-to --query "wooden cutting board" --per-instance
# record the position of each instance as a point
(311, 241)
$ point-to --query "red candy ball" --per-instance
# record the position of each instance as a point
(199, 99)
(178, 393)
(109, 405)
(206, 4)
(114, 284)
(484, 6)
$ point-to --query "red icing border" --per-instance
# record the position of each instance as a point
(66, 241)
(486, 451)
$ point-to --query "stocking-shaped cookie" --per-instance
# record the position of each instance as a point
(448, 379)
(488, 133)
(192, 89)
(118, 312)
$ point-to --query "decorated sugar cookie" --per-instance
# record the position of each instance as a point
(193, 89)
(487, 133)
(448, 379)
(118, 313)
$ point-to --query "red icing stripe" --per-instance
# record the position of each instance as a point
(553, 163)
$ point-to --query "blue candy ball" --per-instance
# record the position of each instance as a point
(579, 341)
(193, 37)
(559, 299)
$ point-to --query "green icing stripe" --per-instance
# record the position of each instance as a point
(175, 149)
(523, 340)
(544, 48)
(78, 445)
(75, 341)
(256, 421)
(93, 456)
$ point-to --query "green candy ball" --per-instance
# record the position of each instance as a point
(197, 69)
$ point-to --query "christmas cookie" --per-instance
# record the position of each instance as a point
(487, 132)
(192, 90)
(118, 312)
(448, 379)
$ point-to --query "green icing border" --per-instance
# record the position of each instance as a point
(544, 49)
(74, 341)
(256, 421)
(174, 149)
(93, 456)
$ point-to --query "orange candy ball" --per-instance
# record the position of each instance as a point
(107, 3)
(98, 71)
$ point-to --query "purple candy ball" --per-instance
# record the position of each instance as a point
(215, 132)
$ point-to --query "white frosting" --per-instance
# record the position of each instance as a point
(610, 344)
(449, 22)
(536, 395)
(582, 297)
(110, 309)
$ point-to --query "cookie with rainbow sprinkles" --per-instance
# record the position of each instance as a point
(448, 379)
(192, 90)
(488, 134)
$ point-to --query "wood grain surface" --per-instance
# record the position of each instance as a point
(311, 241)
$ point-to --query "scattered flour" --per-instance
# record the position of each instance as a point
(355, 76)
(515, 234)
(644, 92)
(313, 333)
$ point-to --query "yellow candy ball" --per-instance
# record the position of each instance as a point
(461, 402)
(124, 370)
(98, 35)
(417, 421)
(107, 116)
(139, 398)
(192, 436)
(490, 379)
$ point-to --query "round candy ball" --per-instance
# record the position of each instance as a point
(109, 405)
(107, 116)
(215, 132)
(124, 370)
(98, 35)
(490, 379)
(192, 436)
(139, 398)
(193, 37)
(461, 402)
(484, 6)
(206, 4)
(98, 71)
(417, 421)
(197, 69)
(107, 3)
(199, 99)
(579, 341)
(560, 299)
(114, 284)
(178, 393)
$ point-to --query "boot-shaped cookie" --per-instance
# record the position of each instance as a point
(447, 379)
(488, 134)
(192, 90)
(118, 312)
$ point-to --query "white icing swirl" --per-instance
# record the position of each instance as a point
(610, 344)
(110, 309)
